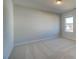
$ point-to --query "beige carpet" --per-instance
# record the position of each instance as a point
(49, 49)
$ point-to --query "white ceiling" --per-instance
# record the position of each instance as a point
(48, 5)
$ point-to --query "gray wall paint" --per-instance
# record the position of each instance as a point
(69, 35)
(8, 28)
(31, 25)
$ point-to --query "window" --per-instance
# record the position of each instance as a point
(69, 24)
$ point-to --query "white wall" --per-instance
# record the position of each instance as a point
(32, 25)
(8, 28)
(69, 35)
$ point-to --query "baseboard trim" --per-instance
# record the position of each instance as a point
(33, 41)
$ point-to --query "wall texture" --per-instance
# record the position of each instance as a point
(32, 25)
(8, 28)
(69, 35)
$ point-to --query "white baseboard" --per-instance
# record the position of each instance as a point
(33, 41)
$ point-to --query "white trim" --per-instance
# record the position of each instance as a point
(33, 41)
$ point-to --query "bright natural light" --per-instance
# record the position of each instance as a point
(69, 24)
(69, 20)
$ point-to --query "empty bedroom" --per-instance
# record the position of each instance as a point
(39, 29)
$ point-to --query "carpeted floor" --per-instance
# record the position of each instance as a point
(49, 49)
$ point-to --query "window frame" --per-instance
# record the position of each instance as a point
(65, 24)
